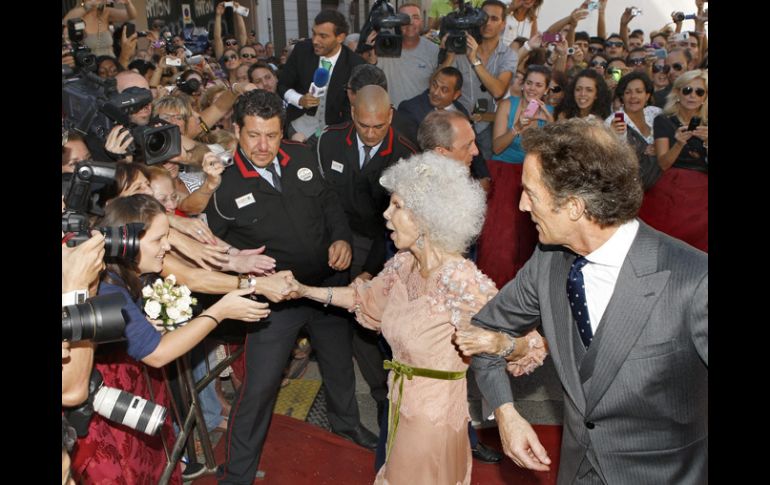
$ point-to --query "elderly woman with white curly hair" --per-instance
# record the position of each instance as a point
(423, 295)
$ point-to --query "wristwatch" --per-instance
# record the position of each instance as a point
(246, 281)
(475, 63)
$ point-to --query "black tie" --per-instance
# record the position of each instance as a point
(367, 156)
(276, 179)
(576, 292)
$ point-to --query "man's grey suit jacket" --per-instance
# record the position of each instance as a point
(637, 401)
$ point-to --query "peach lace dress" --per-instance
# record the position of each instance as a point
(418, 318)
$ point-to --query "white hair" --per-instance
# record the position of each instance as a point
(447, 203)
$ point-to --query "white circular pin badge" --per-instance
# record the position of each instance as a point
(304, 174)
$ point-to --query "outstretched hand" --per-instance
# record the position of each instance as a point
(520, 442)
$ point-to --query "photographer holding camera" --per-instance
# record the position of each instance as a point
(81, 266)
(97, 16)
(487, 67)
(409, 73)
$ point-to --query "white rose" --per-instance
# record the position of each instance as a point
(173, 313)
(171, 279)
(152, 309)
(184, 290)
(184, 303)
(147, 291)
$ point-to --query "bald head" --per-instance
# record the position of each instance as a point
(131, 79)
(372, 114)
(371, 98)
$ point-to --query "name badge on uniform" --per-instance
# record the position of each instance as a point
(244, 200)
(304, 174)
(337, 166)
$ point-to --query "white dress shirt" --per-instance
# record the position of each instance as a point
(292, 97)
(265, 173)
(601, 272)
(361, 152)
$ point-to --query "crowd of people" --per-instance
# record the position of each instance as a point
(455, 212)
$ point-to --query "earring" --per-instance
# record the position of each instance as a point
(420, 242)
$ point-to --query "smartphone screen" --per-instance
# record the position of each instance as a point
(551, 38)
(531, 109)
(619, 117)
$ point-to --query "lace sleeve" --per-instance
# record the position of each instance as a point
(462, 290)
(372, 296)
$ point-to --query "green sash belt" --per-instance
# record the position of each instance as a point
(401, 370)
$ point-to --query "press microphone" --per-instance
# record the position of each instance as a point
(320, 80)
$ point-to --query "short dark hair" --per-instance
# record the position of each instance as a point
(614, 34)
(544, 70)
(597, 40)
(582, 35)
(333, 17)
(585, 159)
(453, 72)
(637, 33)
(366, 75)
(260, 65)
(141, 66)
(260, 103)
(632, 76)
(496, 3)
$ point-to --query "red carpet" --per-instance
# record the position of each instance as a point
(298, 453)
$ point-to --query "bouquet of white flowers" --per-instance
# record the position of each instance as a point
(169, 302)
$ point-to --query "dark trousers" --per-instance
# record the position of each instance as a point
(267, 348)
(366, 348)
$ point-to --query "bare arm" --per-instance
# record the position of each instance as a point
(120, 15)
(502, 137)
(75, 372)
(601, 25)
(219, 46)
(240, 27)
(667, 154)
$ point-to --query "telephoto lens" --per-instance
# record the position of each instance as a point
(122, 241)
(98, 319)
(129, 410)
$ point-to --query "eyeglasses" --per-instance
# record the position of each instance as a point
(656, 68)
(171, 117)
(230, 58)
(554, 89)
(602, 64)
(618, 43)
(677, 66)
(637, 61)
(594, 50)
(231, 42)
(246, 55)
(688, 90)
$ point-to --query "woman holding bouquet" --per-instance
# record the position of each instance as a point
(117, 454)
(423, 295)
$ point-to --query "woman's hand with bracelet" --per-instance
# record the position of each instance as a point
(234, 306)
(472, 340)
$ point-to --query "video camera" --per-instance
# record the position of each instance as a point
(119, 242)
(93, 105)
(118, 406)
(456, 23)
(384, 19)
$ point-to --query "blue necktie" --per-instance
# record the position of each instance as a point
(576, 292)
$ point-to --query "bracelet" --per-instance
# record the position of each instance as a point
(246, 280)
(232, 88)
(508, 350)
(329, 295)
(203, 315)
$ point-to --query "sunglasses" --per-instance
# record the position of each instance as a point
(231, 42)
(677, 66)
(554, 89)
(658, 68)
(599, 64)
(614, 44)
(638, 61)
(594, 50)
(688, 90)
(248, 56)
(230, 58)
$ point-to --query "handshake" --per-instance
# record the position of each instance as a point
(282, 286)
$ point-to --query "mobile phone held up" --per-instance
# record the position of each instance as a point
(531, 110)
(482, 106)
(620, 117)
(550, 38)
(694, 123)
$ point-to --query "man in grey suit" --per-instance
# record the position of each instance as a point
(636, 399)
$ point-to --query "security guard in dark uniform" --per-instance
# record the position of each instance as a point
(275, 196)
(353, 156)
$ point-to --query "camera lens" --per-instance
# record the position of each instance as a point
(156, 142)
(122, 241)
(99, 319)
(129, 410)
